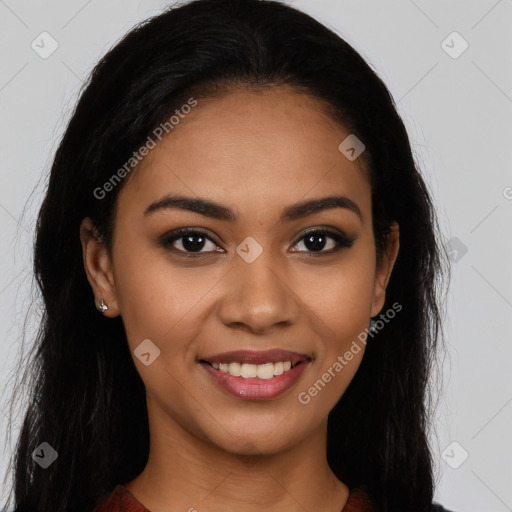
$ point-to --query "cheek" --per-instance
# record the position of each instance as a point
(164, 303)
(340, 309)
(341, 297)
(154, 298)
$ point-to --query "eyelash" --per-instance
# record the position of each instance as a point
(341, 240)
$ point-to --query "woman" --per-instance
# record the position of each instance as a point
(240, 265)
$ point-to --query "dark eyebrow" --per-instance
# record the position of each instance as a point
(217, 211)
(309, 207)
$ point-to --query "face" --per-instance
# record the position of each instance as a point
(256, 273)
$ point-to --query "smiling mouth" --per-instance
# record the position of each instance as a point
(263, 371)
(256, 374)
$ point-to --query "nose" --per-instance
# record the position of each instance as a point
(257, 296)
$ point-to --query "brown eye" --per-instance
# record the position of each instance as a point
(317, 240)
(192, 242)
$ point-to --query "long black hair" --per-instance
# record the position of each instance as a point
(85, 397)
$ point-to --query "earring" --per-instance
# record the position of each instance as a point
(102, 307)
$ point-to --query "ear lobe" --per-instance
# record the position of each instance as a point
(384, 269)
(98, 267)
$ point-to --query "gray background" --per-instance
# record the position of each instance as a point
(457, 112)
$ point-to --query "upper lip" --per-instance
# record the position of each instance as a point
(257, 357)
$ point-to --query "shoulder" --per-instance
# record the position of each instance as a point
(359, 501)
(439, 508)
(121, 500)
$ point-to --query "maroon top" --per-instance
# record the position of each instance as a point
(122, 500)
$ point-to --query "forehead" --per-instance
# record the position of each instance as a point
(266, 149)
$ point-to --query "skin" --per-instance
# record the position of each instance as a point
(255, 154)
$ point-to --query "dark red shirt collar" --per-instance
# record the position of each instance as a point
(122, 500)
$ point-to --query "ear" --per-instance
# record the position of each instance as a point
(384, 269)
(98, 267)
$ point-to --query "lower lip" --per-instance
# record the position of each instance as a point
(256, 389)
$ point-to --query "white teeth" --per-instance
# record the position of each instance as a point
(278, 368)
(250, 371)
(235, 369)
(265, 371)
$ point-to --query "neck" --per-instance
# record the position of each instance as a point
(184, 472)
